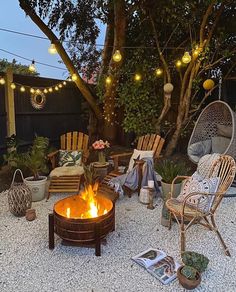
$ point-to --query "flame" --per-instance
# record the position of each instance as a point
(68, 212)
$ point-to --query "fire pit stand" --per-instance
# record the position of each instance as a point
(87, 232)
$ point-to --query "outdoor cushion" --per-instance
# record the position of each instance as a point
(220, 144)
(139, 154)
(70, 158)
(65, 170)
(223, 130)
(197, 184)
(199, 149)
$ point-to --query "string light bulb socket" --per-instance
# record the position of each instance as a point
(52, 49)
(117, 56)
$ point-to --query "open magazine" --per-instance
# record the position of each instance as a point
(158, 263)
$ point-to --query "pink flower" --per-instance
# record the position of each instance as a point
(100, 144)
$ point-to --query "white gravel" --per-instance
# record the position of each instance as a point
(26, 263)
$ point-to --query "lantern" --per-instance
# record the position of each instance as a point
(208, 84)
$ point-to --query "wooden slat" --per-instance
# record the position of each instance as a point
(74, 140)
(68, 141)
(145, 142)
(140, 143)
(155, 145)
(80, 141)
(151, 142)
(159, 148)
(85, 143)
(63, 142)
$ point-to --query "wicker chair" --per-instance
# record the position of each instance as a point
(187, 215)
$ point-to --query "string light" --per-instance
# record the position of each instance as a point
(32, 67)
(74, 77)
(108, 80)
(56, 88)
(69, 79)
(2, 81)
(13, 86)
(117, 56)
(64, 82)
(45, 90)
(50, 89)
(38, 91)
(137, 77)
(52, 49)
(178, 63)
(32, 90)
(159, 71)
(186, 58)
(60, 85)
(22, 89)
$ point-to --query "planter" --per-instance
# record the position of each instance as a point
(165, 216)
(187, 283)
(37, 187)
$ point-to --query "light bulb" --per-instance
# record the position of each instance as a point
(22, 89)
(13, 86)
(2, 81)
(108, 80)
(64, 82)
(50, 89)
(52, 49)
(69, 79)
(74, 77)
(117, 56)
(137, 77)
(56, 88)
(186, 58)
(178, 63)
(45, 90)
(32, 67)
(32, 90)
(38, 91)
(159, 71)
(60, 85)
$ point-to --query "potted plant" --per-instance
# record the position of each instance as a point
(189, 275)
(168, 170)
(35, 162)
(100, 146)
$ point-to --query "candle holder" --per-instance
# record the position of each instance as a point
(150, 204)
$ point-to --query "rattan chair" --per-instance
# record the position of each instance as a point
(186, 215)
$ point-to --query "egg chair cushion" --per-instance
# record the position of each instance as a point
(225, 131)
(220, 144)
(199, 149)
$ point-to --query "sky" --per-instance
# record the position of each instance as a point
(12, 17)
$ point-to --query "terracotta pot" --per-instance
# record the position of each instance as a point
(185, 282)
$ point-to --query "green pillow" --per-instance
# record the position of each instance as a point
(70, 158)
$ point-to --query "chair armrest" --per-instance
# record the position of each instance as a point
(116, 157)
(173, 182)
(52, 157)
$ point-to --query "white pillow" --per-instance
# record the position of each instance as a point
(197, 184)
(141, 154)
(220, 144)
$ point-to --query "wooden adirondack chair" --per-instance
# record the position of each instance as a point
(68, 183)
(148, 142)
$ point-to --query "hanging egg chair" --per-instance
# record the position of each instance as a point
(214, 132)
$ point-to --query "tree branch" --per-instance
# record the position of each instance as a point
(204, 21)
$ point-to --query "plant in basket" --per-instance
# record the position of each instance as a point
(189, 274)
(100, 146)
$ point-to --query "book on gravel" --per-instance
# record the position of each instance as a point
(158, 263)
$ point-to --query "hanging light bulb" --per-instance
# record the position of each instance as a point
(64, 82)
(69, 79)
(56, 88)
(60, 85)
(159, 71)
(108, 80)
(50, 89)
(13, 86)
(45, 90)
(2, 81)
(52, 49)
(22, 89)
(32, 90)
(178, 64)
(38, 91)
(137, 77)
(117, 56)
(186, 58)
(32, 67)
(74, 77)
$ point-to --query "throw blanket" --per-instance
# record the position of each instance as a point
(130, 179)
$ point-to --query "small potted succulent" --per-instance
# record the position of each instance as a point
(189, 275)
(168, 170)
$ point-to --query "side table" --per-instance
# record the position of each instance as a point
(100, 169)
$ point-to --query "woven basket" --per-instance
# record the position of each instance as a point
(19, 196)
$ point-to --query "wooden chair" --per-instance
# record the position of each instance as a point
(148, 142)
(68, 183)
(186, 215)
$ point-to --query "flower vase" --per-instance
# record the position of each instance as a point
(101, 157)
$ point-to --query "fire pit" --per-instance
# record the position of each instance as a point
(82, 220)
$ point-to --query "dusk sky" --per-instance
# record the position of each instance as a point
(12, 17)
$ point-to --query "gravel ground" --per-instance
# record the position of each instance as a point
(26, 263)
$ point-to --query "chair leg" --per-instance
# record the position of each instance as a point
(219, 236)
(182, 236)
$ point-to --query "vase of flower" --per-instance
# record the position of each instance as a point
(100, 146)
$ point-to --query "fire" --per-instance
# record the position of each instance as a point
(68, 212)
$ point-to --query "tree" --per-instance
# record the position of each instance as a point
(17, 68)
(202, 27)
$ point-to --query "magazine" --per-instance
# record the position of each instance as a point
(158, 263)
